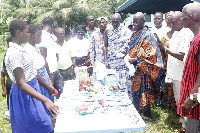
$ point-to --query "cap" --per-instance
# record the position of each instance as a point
(100, 18)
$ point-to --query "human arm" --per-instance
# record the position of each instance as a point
(3, 84)
(43, 52)
(41, 81)
(178, 55)
(188, 103)
(21, 83)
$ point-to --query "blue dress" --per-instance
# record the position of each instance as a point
(27, 114)
(42, 71)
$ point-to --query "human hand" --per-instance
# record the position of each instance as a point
(161, 45)
(4, 93)
(187, 106)
(196, 100)
(52, 108)
(51, 90)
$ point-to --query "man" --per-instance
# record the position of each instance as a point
(117, 48)
(48, 49)
(65, 65)
(191, 77)
(91, 27)
(179, 45)
(145, 55)
(97, 53)
(159, 29)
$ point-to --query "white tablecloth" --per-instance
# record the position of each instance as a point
(110, 119)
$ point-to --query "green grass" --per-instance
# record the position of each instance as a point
(160, 122)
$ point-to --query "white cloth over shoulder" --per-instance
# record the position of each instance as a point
(129, 65)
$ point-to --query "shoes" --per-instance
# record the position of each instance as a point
(181, 130)
(175, 122)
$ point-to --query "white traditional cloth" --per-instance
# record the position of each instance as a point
(118, 46)
(38, 58)
(161, 31)
(80, 48)
(49, 43)
(96, 53)
(180, 42)
(16, 57)
(64, 56)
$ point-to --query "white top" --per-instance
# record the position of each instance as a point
(48, 42)
(80, 48)
(38, 58)
(64, 56)
(16, 56)
(180, 42)
(160, 31)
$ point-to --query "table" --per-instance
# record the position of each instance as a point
(119, 115)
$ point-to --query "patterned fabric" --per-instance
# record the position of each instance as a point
(96, 52)
(190, 74)
(15, 57)
(148, 69)
(89, 32)
(118, 43)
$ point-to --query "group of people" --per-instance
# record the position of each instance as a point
(166, 65)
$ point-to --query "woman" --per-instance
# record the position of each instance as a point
(80, 48)
(28, 107)
(35, 38)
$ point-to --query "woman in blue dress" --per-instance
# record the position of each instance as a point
(27, 104)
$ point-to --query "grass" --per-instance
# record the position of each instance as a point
(160, 122)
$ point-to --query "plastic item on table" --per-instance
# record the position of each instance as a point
(82, 110)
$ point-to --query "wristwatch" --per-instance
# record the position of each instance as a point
(191, 97)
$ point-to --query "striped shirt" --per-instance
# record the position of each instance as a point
(16, 57)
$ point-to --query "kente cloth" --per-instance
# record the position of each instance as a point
(118, 44)
(190, 74)
(96, 50)
(148, 69)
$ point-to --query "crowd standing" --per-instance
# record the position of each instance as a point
(165, 58)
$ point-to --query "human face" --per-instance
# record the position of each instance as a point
(115, 23)
(24, 35)
(186, 20)
(158, 19)
(138, 23)
(102, 24)
(80, 34)
(60, 34)
(176, 24)
(37, 37)
(90, 21)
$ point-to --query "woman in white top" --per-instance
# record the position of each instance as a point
(80, 48)
(39, 62)
(27, 111)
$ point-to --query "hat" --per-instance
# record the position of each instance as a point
(100, 18)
